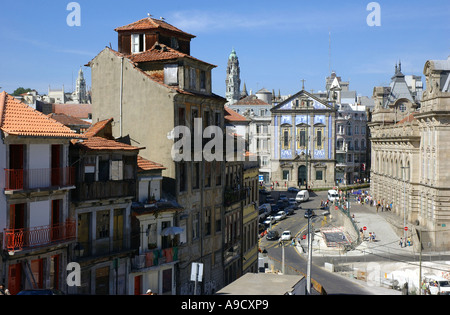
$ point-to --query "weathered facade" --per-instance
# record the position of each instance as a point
(303, 142)
(410, 154)
(149, 92)
(36, 229)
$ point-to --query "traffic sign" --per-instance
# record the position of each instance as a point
(406, 228)
(364, 228)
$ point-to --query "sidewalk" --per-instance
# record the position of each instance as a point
(397, 263)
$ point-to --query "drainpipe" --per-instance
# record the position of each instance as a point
(121, 94)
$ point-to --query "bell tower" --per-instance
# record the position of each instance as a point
(233, 80)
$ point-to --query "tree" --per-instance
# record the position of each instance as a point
(20, 91)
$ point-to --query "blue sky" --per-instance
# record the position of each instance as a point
(278, 43)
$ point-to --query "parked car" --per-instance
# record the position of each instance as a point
(270, 219)
(281, 215)
(274, 208)
(302, 195)
(309, 213)
(282, 197)
(292, 202)
(264, 192)
(293, 190)
(272, 235)
(270, 200)
(282, 204)
(289, 210)
(333, 195)
(286, 236)
(438, 285)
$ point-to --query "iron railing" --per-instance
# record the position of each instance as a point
(23, 179)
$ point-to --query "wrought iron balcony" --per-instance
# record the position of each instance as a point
(27, 238)
(28, 179)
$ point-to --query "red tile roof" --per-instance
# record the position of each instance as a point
(17, 118)
(231, 115)
(150, 24)
(408, 118)
(69, 120)
(250, 100)
(146, 165)
(161, 52)
(81, 111)
(98, 143)
(97, 127)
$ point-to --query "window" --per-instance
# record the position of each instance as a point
(286, 175)
(137, 43)
(196, 176)
(402, 107)
(171, 74)
(319, 142)
(207, 174)
(203, 80)
(218, 170)
(102, 224)
(285, 139)
(196, 226)
(103, 169)
(208, 222)
(116, 169)
(182, 171)
(192, 78)
(319, 175)
(89, 169)
(302, 140)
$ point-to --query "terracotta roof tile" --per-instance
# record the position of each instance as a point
(81, 111)
(408, 118)
(161, 52)
(20, 119)
(231, 115)
(149, 24)
(69, 120)
(146, 165)
(98, 143)
(97, 127)
(250, 100)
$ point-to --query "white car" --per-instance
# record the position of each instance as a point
(286, 236)
(270, 219)
(280, 215)
(438, 285)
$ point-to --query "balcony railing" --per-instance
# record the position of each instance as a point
(20, 239)
(235, 195)
(24, 179)
(155, 257)
(103, 190)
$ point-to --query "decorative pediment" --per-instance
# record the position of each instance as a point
(303, 101)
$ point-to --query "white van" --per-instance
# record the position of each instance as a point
(333, 195)
(438, 285)
(302, 195)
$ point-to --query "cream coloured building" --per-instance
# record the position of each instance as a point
(410, 153)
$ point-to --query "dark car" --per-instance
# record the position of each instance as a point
(293, 190)
(309, 213)
(272, 235)
(41, 292)
(289, 210)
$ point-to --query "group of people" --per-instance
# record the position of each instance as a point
(3, 290)
(405, 242)
(384, 206)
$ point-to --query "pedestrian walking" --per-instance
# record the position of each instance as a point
(3, 290)
(401, 242)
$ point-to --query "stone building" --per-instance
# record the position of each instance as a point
(410, 151)
(150, 86)
(303, 142)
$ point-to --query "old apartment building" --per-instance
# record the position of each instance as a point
(36, 229)
(150, 86)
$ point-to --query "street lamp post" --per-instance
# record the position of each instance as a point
(404, 200)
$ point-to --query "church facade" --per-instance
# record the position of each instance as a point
(303, 142)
